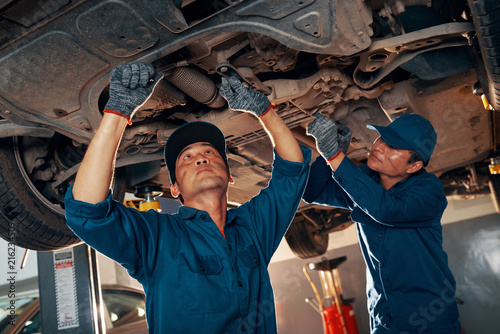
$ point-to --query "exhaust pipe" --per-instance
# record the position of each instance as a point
(196, 85)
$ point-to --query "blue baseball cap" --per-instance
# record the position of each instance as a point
(190, 133)
(409, 132)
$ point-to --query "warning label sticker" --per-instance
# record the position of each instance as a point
(66, 300)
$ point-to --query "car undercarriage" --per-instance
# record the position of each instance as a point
(357, 62)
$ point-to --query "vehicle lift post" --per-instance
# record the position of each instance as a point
(68, 279)
(70, 291)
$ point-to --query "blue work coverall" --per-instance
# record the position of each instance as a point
(195, 279)
(410, 288)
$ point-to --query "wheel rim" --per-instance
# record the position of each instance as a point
(20, 164)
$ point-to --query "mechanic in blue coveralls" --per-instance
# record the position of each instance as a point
(204, 269)
(397, 206)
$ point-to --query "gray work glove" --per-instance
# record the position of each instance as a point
(325, 131)
(130, 87)
(344, 137)
(242, 99)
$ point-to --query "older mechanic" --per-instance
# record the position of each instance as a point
(203, 269)
(397, 206)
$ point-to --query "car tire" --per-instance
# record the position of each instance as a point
(304, 240)
(494, 184)
(27, 219)
(485, 14)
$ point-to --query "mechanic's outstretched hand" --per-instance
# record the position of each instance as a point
(130, 86)
(326, 133)
(242, 99)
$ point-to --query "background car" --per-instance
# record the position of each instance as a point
(356, 61)
(124, 312)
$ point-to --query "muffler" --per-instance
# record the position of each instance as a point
(196, 85)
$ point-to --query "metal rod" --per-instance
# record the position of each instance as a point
(320, 302)
(25, 258)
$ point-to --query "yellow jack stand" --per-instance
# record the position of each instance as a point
(494, 166)
(148, 194)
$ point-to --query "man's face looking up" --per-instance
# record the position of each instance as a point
(199, 168)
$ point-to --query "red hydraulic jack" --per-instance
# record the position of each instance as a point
(336, 312)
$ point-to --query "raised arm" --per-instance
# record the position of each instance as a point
(282, 138)
(130, 86)
(256, 103)
(95, 174)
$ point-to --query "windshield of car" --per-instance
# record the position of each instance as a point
(124, 306)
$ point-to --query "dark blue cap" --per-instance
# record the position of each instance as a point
(410, 132)
(190, 133)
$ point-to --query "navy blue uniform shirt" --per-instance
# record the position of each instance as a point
(410, 288)
(195, 280)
